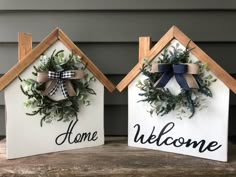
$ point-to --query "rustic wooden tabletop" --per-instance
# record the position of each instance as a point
(115, 159)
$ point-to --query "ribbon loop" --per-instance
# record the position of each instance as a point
(180, 68)
(61, 80)
(67, 74)
(182, 72)
(165, 67)
(54, 75)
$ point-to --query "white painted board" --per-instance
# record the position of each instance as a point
(24, 135)
(166, 133)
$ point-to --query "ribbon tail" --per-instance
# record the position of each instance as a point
(181, 81)
(164, 79)
(63, 88)
(192, 83)
(51, 88)
(79, 74)
(69, 87)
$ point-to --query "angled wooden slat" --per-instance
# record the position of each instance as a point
(28, 59)
(129, 77)
(161, 44)
(174, 32)
(120, 57)
(228, 80)
(91, 66)
(151, 54)
(24, 44)
(57, 34)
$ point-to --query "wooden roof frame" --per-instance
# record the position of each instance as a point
(174, 32)
(26, 58)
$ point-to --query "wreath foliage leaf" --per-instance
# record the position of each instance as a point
(62, 110)
(161, 100)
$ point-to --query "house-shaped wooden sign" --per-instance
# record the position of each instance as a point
(54, 98)
(178, 99)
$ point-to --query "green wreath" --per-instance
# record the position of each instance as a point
(67, 108)
(161, 99)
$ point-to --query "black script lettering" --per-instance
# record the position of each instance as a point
(202, 144)
(141, 138)
(153, 138)
(195, 144)
(163, 132)
(80, 137)
(213, 144)
(178, 142)
(64, 135)
(166, 141)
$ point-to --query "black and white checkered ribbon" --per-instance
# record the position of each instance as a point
(60, 77)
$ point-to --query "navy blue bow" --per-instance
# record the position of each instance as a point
(182, 72)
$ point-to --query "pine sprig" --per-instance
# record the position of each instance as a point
(161, 100)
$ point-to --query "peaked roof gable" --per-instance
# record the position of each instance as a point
(55, 35)
(175, 33)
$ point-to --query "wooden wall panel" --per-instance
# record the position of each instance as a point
(118, 58)
(117, 5)
(108, 32)
(119, 26)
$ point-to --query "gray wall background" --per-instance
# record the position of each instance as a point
(108, 30)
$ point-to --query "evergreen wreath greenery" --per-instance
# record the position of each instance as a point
(161, 100)
(62, 110)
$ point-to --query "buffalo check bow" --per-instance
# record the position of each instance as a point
(61, 80)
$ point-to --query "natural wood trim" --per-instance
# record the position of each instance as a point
(129, 77)
(174, 32)
(24, 44)
(228, 80)
(151, 55)
(28, 59)
(161, 44)
(144, 47)
(41, 47)
(91, 66)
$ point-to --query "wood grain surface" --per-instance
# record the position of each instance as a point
(24, 44)
(144, 47)
(115, 159)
